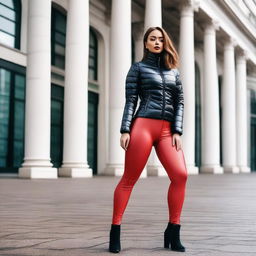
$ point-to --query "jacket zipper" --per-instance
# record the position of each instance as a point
(161, 74)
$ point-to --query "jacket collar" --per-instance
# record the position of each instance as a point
(153, 59)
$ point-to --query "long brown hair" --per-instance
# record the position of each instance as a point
(169, 55)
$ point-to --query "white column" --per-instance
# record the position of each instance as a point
(153, 13)
(76, 91)
(38, 94)
(241, 109)
(211, 116)
(120, 62)
(138, 33)
(153, 18)
(187, 72)
(229, 109)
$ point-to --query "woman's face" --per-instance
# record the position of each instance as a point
(155, 41)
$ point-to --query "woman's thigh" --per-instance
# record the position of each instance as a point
(139, 148)
(172, 160)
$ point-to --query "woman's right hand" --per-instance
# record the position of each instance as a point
(124, 140)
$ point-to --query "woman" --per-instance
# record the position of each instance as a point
(158, 122)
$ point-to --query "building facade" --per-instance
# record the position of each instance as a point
(63, 65)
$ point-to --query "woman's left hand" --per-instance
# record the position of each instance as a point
(176, 140)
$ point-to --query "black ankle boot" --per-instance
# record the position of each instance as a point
(172, 236)
(114, 238)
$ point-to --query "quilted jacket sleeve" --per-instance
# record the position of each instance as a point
(131, 95)
(177, 124)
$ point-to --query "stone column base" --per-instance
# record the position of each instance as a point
(192, 169)
(244, 169)
(75, 172)
(114, 170)
(156, 171)
(38, 173)
(211, 169)
(144, 173)
(118, 170)
(231, 169)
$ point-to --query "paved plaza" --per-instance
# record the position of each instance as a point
(73, 216)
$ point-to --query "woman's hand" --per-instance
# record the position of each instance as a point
(124, 140)
(176, 140)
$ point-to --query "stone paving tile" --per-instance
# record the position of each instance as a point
(73, 216)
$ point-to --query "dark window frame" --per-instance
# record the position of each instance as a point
(20, 70)
(94, 47)
(198, 118)
(56, 10)
(57, 94)
(17, 21)
(220, 83)
(253, 130)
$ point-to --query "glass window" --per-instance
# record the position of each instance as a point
(10, 22)
(198, 128)
(7, 39)
(93, 56)
(7, 12)
(92, 129)
(18, 122)
(58, 38)
(253, 102)
(8, 3)
(220, 79)
(7, 26)
(253, 131)
(5, 85)
(12, 116)
(57, 98)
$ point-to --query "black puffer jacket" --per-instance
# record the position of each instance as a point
(160, 91)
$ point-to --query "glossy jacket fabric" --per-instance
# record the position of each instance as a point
(160, 92)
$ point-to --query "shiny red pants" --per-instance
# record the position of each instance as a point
(145, 133)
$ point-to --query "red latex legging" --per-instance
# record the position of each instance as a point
(145, 133)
